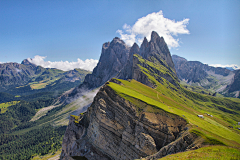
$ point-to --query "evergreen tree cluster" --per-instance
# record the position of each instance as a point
(36, 142)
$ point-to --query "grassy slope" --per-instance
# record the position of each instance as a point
(50, 156)
(219, 129)
(210, 153)
(212, 127)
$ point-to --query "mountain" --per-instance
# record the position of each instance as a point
(149, 56)
(27, 78)
(17, 74)
(215, 79)
(113, 57)
(147, 113)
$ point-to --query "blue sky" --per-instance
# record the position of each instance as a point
(71, 30)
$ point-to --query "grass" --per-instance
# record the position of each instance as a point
(4, 106)
(135, 91)
(50, 156)
(207, 153)
(43, 83)
(176, 99)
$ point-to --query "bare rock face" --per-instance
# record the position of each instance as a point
(158, 49)
(112, 128)
(114, 56)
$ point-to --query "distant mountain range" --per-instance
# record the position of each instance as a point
(27, 78)
(216, 79)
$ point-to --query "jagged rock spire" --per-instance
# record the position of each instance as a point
(113, 57)
(157, 47)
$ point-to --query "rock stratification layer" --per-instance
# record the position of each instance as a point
(112, 128)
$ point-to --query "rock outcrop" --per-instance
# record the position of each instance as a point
(112, 128)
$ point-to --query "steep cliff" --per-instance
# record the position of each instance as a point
(114, 128)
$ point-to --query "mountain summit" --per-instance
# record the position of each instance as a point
(154, 56)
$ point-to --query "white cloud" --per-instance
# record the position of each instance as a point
(155, 21)
(88, 64)
(234, 66)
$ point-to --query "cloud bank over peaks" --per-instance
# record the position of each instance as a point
(155, 21)
(229, 66)
(88, 64)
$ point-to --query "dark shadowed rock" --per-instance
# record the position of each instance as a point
(113, 57)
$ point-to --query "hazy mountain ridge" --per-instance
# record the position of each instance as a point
(217, 79)
(27, 78)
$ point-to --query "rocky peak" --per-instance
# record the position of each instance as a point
(105, 46)
(117, 40)
(144, 47)
(154, 36)
(27, 62)
(156, 52)
(113, 58)
(135, 49)
(158, 48)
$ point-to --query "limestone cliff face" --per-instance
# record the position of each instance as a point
(112, 128)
